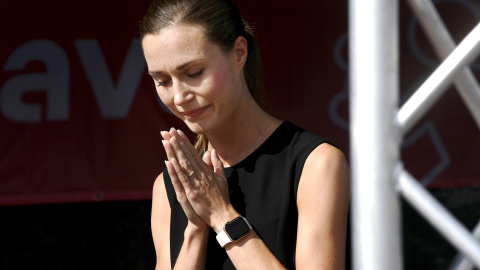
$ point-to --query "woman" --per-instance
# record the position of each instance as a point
(254, 192)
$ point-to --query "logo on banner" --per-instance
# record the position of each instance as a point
(114, 99)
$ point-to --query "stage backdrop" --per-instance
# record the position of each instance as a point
(80, 120)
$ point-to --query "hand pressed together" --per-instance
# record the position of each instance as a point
(200, 183)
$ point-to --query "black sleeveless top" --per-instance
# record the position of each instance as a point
(263, 188)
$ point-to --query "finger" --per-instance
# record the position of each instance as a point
(182, 134)
(187, 164)
(168, 149)
(217, 164)
(165, 135)
(189, 152)
(185, 145)
(181, 175)
(180, 192)
(207, 159)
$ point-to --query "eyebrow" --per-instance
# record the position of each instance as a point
(180, 67)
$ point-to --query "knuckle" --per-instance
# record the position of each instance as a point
(193, 195)
(183, 179)
(185, 164)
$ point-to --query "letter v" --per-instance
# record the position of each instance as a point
(114, 101)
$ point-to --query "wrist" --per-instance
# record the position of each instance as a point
(193, 229)
(218, 224)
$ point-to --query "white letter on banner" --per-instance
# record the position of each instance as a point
(54, 81)
(114, 101)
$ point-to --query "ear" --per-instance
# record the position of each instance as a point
(240, 52)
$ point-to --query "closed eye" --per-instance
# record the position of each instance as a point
(163, 83)
(195, 74)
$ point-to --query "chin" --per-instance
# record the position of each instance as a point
(195, 127)
(202, 127)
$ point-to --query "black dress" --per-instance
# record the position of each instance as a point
(263, 188)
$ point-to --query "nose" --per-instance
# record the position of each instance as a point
(183, 94)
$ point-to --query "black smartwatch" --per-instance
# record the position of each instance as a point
(233, 231)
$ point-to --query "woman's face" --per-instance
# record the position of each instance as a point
(197, 81)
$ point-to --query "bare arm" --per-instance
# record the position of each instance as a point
(323, 199)
(194, 246)
(193, 252)
(206, 191)
(160, 222)
(323, 205)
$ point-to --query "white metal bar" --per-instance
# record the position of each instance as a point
(437, 32)
(429, 92)
(464, 81)
(439, 217)
(462, 263)
(374, 134)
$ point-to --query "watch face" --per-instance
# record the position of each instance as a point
(237, 229)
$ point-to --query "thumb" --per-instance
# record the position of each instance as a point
(217, 164)
(207, 159)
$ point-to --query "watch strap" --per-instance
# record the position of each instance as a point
(223, 238)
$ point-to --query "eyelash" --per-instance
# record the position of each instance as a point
(196, 74)
(189, 75)
(162, 83)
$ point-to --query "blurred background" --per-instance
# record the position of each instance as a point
(80, 121)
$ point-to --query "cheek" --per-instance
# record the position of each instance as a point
(221, 80)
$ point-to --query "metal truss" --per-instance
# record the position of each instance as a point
(378, 125)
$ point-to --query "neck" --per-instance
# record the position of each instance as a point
(244, 133)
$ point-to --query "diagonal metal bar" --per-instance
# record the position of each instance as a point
(462, 263)
(433, 88)
(464, 81)
(443, 43)
(439, 217)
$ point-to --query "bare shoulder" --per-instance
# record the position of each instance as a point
(325, 164)
(325, 172)
(160, 222)
(326, 154)
(322, 201)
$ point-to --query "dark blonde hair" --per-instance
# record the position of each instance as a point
(223, 24)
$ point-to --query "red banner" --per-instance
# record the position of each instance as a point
(80, 119)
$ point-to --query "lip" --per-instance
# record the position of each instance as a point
(194, 113)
